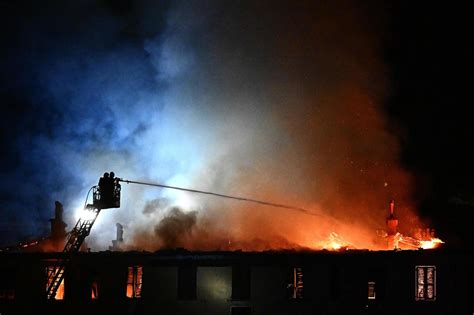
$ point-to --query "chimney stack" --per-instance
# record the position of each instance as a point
(392, 227)
(117, 243)
(57, 238)
(58, 227)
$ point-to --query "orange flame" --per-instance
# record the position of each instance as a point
(60, 292)
(433, 243)
(334, 242)
(408, 242)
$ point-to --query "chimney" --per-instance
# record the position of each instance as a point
(58, 227)
(392, 222)
(117, 243)
(392, 227)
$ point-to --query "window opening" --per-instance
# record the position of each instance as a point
(134, 282)
(425, 283)
(295, 285)
(94, 291)
(50, 271)
(371, 290)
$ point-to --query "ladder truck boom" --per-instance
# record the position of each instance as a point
(105, 195)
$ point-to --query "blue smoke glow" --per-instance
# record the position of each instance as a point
(223, 96)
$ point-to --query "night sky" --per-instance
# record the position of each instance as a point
(92, 86)
(428, 50)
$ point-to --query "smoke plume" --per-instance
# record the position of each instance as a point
(279, 101)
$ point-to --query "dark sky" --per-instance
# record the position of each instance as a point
(63, 65)
(431, 61)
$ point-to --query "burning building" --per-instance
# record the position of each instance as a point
(177, 281)
(278, 100)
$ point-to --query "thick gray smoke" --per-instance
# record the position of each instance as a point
(277, 100)
(282, 102)
(175, 226)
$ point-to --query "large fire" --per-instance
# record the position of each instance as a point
(389, 238)
(408, 242)
(251, 229)
(309, 233)
(279, 115)
(335, 242)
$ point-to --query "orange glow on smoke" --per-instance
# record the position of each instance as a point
(319, 139)
(312, 133)
(259, 228)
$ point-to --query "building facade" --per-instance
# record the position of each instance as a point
(236, 283)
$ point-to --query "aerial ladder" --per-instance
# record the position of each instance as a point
(106, 195)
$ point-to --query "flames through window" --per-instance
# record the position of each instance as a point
(94, 290)
(425, 278)
(134, 282)
(50, 271)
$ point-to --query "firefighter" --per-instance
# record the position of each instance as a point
(103, 180)
(103, 183)
(106, 189)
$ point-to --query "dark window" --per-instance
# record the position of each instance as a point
(7, 294)
(371, 290)
(240, 310)
(187, 282)
(240, 282)
(7, 284)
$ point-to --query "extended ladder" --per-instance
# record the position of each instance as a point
(74, 241)
(104, 196)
